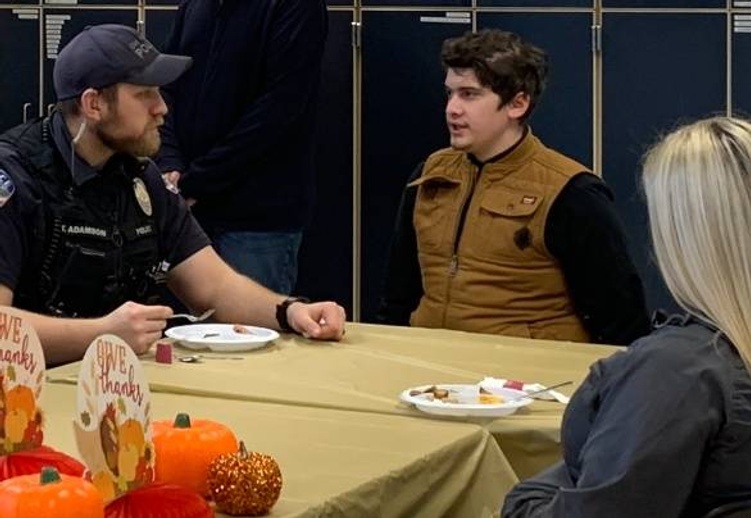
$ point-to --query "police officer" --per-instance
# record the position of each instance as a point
(90, 231)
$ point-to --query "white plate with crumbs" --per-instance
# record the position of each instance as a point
(222, 337)
(465, 400)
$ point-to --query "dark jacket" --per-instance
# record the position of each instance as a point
(242, 118)
(662, 430)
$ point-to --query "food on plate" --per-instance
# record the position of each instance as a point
(433, 393)
(490, 399)
(241, 330)
(440, 394)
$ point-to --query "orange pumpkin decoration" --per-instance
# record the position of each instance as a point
(32, 461)
(184, 450)
(158, 501)
(247, 484)
(50, 494)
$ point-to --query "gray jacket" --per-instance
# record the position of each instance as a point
(662, 429)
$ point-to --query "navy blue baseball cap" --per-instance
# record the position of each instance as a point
(102, 55)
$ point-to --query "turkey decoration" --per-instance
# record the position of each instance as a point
(21, 381)
(114, 437)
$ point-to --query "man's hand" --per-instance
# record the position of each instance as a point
(320, 320)
(171, 180)
(140, 326)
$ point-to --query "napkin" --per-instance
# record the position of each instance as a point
(490, 383)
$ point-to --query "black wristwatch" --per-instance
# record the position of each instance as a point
(281, 312)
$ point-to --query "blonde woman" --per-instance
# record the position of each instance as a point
(664, 428)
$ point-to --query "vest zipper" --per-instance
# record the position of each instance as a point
(454, 263)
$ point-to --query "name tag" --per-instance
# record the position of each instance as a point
(84, 230)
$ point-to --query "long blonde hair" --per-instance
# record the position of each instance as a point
(697, 182)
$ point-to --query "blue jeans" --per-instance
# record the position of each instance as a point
(269, 258)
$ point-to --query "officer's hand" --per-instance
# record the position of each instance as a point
(320, 320)
(139, 325)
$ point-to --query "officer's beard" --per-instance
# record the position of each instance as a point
(145, 145)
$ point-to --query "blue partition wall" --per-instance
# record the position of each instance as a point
(656, 73)
(741, 45)
(526, 4)
(19, 89)
(657, 4)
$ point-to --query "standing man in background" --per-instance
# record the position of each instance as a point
(238, 141)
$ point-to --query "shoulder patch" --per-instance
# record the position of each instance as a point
(7, 187)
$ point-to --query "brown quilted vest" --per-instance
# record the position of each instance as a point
(493, 273)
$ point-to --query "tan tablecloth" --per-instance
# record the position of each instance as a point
(367, 371)
(342, 464)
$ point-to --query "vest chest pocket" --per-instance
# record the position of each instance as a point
(436, 209)
(506, 227)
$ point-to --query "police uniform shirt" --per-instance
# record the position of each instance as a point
(179, 235)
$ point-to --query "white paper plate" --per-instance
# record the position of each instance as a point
(221, 337)
(467, 397)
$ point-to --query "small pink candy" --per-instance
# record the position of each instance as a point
(163, 352)
(514, 384)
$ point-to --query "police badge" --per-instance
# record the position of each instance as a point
(142, 196)
(7, 187)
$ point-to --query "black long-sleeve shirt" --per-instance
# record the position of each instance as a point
(583, 233)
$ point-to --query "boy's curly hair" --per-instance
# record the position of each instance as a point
(502, 61)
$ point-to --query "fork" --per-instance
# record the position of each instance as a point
(537, 392)
(192, 318)
(199, 358)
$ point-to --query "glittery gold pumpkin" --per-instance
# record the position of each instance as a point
(245, 483)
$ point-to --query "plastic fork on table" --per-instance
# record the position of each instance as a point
(192, 318)
(536, 392)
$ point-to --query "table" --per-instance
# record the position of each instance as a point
(367, 371)
(338, 463)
